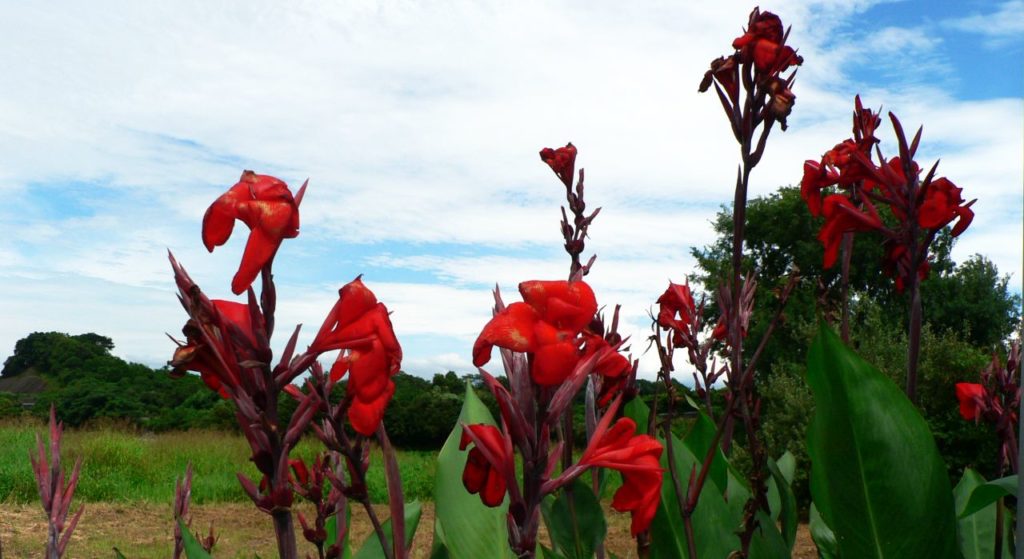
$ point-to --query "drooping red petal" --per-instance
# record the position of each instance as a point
(259, 250)
(219, 220)
(512, 328)
(365, 417)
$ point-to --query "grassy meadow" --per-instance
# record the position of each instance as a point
(125, 465)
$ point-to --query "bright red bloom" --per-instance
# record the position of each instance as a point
(547, 325)
(216, 365)
(841, 216)
(486, 463)
(942, 204)
(562, 161)
(267, 207)
(677, 300)
(816, 177)
(637, 457)
(970, 395)
(359, 324)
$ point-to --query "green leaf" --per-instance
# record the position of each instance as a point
(118, 554)
(548, 553)
(575, 521)
(470, 529)
(192, 548)
(988, 493)
(767, 542)
(976, 531)
(699, 440)
(787, 465)
(332, 534)
(877, 477)
(371, 547)
(713, 524)
(788, 514)
(824, 538)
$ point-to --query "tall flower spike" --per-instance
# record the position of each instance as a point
(267, 207)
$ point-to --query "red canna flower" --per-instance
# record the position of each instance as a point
(562, 161)
(677, 300)
(762, 44)
(547, 325)
(216, 363)
(942, 204)
(637, 457)
(971, 396)
(724, 71)
(842, 216)
(360, 325)
(267, 207)
(816, 177)
(486, 464)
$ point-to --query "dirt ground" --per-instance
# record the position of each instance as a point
(143, 531)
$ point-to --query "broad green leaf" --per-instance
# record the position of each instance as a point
(371, 547)
(471, 529)
(976, 532)
(712, 521)
(822, 535)
(988, 493)
(192, 548)
(575, 522)
(788, 513)
(877, 477)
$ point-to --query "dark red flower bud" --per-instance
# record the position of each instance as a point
(562, 161)
(486, 463)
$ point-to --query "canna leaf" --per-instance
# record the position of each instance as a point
(876, 477)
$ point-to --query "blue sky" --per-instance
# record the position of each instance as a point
(418, 127)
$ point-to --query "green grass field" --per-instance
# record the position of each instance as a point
(128, 466)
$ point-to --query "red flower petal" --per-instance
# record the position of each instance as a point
(512, 328)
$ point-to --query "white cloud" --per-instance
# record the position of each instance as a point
(1000, 27)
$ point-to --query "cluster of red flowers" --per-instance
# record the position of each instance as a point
(761, 56)
(230, 334)
(552, 327)
(228, 344)
(921, 206)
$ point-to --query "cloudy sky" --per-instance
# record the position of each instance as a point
(418, 125)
